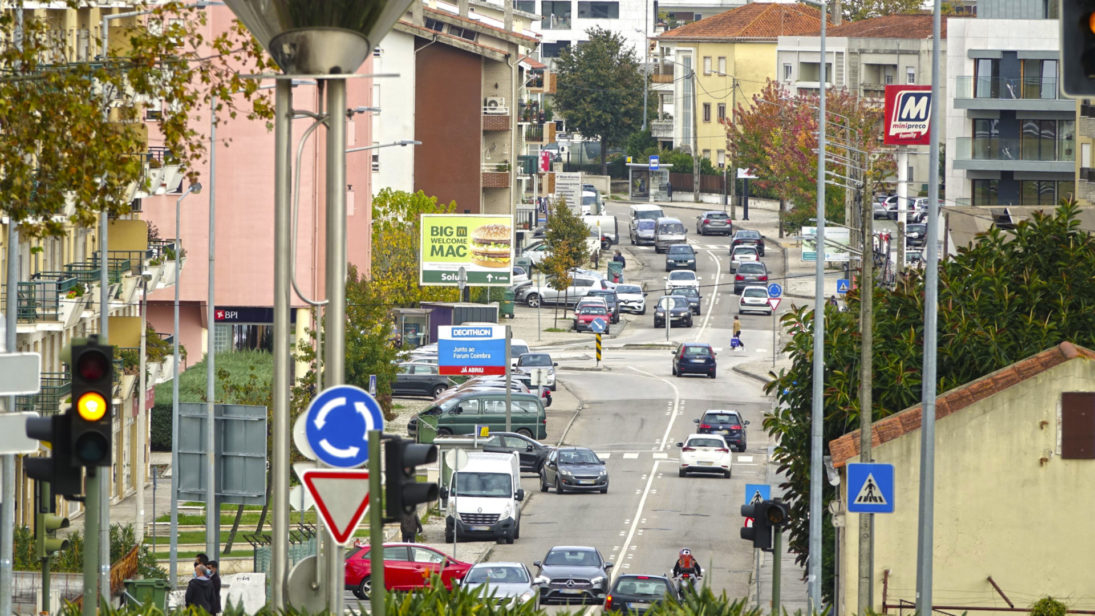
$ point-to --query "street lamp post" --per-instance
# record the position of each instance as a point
(195, 188)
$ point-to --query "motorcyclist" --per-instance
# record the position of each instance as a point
(687, 564)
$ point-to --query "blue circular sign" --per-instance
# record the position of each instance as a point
(774, 290)
(598, 325)
(337, 425)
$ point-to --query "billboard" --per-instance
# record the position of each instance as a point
(481, 245)
(568, 186)
(907, 114)
(471, 350)
(837, 244)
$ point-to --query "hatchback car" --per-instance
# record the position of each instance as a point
(714, 222)
(725, 423)
(585, 315)
(681, 278)
(692, 294)
(611, 300)
(742, 254)
(632, 298)
(573, 469)
(677, 307)
(750, 272)
(637, 593)
(572, 573)
(694, 358)
(642, 232)
(748, 237)
(504, 583)
(419, 379)
(705, 453)
(407, 566)
(680, 256)
(754, 299)
(528, 362)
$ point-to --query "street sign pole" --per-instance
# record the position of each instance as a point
(777, 561)
(598, 343)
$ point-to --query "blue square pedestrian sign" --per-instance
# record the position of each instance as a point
(756, 492)
(842, 285)
(870, 488)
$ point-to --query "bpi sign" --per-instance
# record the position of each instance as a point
(908, 110)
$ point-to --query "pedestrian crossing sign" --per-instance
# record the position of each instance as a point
(842, 285)
(870, 488)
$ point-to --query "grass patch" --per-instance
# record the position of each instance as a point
(247, 520)
(557, 330)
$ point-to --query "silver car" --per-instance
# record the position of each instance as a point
(508, 583)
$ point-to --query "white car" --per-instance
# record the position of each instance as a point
(681, 278)
(632, 298)
(536, 252)
(754, 298)
(742, 254)
(705, 453)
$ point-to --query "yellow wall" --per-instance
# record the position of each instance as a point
(1006, 504)
(750, 65)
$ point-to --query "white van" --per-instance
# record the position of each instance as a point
(484, 498)
(668, 231)
(608, 226)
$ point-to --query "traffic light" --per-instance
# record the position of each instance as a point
(46, 524)
(760, 533)
(59, 470)
(1078, 47)
(92, 389)
(402, 490)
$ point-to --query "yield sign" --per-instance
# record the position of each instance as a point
(774, 302)
(341, 498)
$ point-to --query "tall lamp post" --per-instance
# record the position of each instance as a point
(195, 188)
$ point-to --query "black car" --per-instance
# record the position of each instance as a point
(694, 358)
(747, 237)
(679, 311)
(636, 593)
(729, 424)
(610, 298)
(714, 222)
(415, 379)
(680, 256)
(573, 468)
(533, 453)
(692, 294)
(749, 273)
(572, 573)
(916, 234)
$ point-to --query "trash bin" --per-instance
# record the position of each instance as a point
(616, 271)
(147, 592)
(505, 307)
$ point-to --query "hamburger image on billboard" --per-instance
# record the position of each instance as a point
(480, 246)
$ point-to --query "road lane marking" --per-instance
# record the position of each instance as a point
(660, 456)
(631, 455)
(745, 460)
(635, 521)
(711, 299)
(674, 404)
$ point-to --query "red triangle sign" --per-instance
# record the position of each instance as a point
(774, 302)
(341, 496)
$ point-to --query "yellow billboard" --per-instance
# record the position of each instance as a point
(480, 246)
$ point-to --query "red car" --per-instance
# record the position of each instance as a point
(585, 315)
(407, 566)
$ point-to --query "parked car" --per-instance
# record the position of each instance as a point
(695, 358)
(420, 379)
(569, 573)
(632, 298)
(635, 593)
(704, 453)
(519, 275)
(611, 299)
(878, 207)
(749, 272)
(742, 254)
(528, 362)
(677, 307)
(916, 234)
(536, 253)
(531, 452)
(573, 469)
(504, 583)
(714, 222)
(680, 256)
(692, 294)
(498, 381)
(725, 423)
(754, 299)
(407, 566)
(747, 237)
(681, 278)
(585, 315)
(534, 295)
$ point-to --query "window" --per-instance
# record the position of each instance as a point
(985, 192)
(1037, 192)
(722, 65)
(528, 6)
(707, 112)
(1077, 425)
(986, 78)
(465, 33)
(553, 50)
(556, 16)
(721, 158)
(377, 52)
(787, 71)
(376, 157)
(910, 74)
(722, 112)
(986, 138)
(1046, 139)
(706, 154)
(435, 25)
(1039, 78)
(707, 65)
(599, 10)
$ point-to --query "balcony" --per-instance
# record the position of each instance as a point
(55, 389)
(495, 175)
(999, 154)
(661, 129)
(534, 133)
(544, 83)
(88, 272)
(1026, 94)
(40, 299)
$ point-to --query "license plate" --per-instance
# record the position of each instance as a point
(638, 605)
(697, 361)
(724, 432)
(705, 463)
(480, 528)
(571, 591)
(586, 482)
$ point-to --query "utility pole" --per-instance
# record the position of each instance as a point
(866, 377)
(695, 141)
(646, 66)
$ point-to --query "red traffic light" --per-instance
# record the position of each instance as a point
(92, 364)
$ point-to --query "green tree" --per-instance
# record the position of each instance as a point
(600, 89)
(1007, 296)
(74, 134)
(397, 221)
(856, 10)
(566, 243)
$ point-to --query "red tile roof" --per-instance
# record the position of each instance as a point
(755, 21)
(916, 25)
(846, 447)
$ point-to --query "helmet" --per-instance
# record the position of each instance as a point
(686, 552)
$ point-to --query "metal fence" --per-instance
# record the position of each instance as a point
(302, 544)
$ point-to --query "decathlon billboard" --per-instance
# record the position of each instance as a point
(908, 110)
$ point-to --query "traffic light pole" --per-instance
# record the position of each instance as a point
(44, 498)
(376, 526)
(91, 543)
(777, 561)
(7, 462)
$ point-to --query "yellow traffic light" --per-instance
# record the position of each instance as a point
(91, 406)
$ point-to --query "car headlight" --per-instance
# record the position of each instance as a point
(691, 260)
(598, 582)
(603, 473)
(507, 512)
(527, 596)
(565, 473)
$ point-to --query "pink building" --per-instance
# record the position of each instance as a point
(243, 199)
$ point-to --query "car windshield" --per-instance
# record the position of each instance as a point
(679, 275)
(721, 418)
(645, 224)
(918, 228)
(705, 442)
(687, 292)
(755, 292)
(715, 216)
(632, 289)
(589, 199)
(696, 351)
(680, 249)
(591, 309)
(748, 235)
(674, 228)
(578, 456)
(497, 574)
(650, 215)
(641, 587)
(572, 558)
(751, 268)
(607, 294)
(483, 484)
(744, 251)
(535, 359)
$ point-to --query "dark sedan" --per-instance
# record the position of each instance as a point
(747, 237)
(573, 468)
(692, 294)
(414, 379)
(749, 272)
(680, 256)
(679, 311)
(714, 222)
(533, 453)
(636, 593)
(694, 358)
(572, 573)
(725, 423)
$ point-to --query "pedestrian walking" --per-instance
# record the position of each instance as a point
(619, 258)
(199, 590)
(737, 326)
(736, 344)
(215, 578)
(410, 526)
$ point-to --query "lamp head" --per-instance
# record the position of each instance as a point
(195, 188)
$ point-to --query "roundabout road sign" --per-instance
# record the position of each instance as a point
(337, 425)
(775, 290)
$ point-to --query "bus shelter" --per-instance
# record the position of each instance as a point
(646, 183)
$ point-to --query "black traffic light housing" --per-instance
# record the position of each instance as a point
(768, 516)
(61, 472)
(402, 490)
(91, 431)
(1077, 47)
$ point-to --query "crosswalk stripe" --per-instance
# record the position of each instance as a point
(634, 455)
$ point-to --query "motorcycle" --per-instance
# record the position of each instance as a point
(687, 582)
